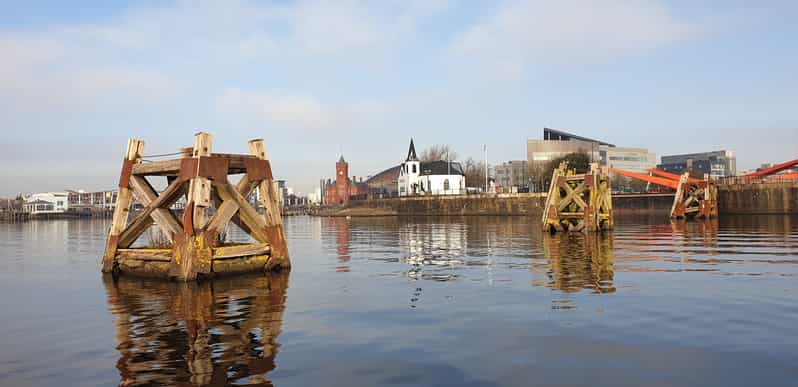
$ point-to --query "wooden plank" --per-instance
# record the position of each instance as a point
(162, 216)
(239, 251)
(124, 199)
(161, 255)
(172, 167)
(271, 206)
(578, 215)
(166, 199)
(158, 168)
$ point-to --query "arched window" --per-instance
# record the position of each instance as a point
(414, 168)
(446, 184)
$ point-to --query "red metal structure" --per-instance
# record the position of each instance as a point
(694, 197)
(772, 170)
(671, 176)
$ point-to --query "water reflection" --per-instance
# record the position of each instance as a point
(578, 261)
(342, 234)
(210, 334)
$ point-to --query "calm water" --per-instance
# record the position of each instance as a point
(420, 301)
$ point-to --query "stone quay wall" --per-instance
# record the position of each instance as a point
(779, 197)
(526, 204)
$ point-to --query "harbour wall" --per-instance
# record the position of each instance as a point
(779, 197)
(520, 204)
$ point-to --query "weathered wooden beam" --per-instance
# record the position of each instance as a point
(271, 206)
(143, 220)
(162, 255)
(238, 251)
(248, 215)
(678, 209)
(124, 199)
(236, 165)
(199, 191)
(162, 216)
(158, 168)
(226, 209)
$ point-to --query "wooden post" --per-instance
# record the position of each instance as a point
(678, 208)
(125, 198)
(271, 209)
(605, 209)
(199, 191)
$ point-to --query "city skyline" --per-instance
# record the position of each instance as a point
(313, 78)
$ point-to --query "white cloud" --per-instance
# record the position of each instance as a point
(336, 27)
(522, 33)
(300, 114)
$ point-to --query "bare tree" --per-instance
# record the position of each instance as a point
(438, 152)
(474, 173)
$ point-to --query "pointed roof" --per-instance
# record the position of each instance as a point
(341, 159)
(411, 153)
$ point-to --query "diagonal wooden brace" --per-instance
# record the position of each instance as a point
(227, 209)
(162, 216)
(248, 215)
(144, 220)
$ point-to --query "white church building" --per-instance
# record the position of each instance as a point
(442, 177)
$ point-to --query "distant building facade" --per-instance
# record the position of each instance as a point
(628, 159)
(716, 164)
(46, 203)
(557, 143)
(82, 201)
(385, 183)
(339, 192)
(511, 175)
(439, 177)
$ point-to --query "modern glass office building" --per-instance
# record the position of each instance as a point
(716, 164)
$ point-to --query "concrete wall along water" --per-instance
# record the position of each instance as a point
(530, 204)
(758, 198)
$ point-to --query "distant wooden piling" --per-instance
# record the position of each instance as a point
(196, 250)
(578, 202)
(695, 198)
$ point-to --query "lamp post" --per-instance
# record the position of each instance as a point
(485, 148)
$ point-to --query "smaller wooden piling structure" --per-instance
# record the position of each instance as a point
(695, 198)
(196, 251)
(578, 202)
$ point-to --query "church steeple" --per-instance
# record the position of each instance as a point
(411, 153)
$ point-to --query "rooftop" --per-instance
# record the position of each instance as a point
(441, 167)
(559, 135)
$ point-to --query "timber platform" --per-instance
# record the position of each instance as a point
(194, 249)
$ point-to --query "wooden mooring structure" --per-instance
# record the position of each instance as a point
(695, 198)
(195, 250)
(578, 202)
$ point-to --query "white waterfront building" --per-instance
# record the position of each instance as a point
(46, 203)
(442, 177)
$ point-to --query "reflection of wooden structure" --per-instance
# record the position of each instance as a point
(578, 202)
(695, 198)
(580, 262)
(208, 333)
(196, 249)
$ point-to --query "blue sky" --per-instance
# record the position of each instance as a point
(313, 77)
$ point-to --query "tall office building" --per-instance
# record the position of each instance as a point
(716, 164)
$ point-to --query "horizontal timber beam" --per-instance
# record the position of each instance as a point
(236, 165)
